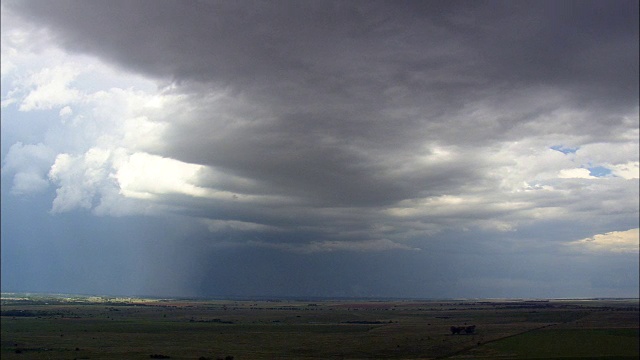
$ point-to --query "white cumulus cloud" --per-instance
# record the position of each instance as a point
(79, 179)
(51, 87)
(629, 170)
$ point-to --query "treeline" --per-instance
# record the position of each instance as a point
(29, 313)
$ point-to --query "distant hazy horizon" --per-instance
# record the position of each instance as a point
(297, 298)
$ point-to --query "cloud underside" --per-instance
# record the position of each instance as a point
(331, 126)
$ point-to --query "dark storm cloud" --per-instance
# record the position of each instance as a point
(343, 93)
(340, 94)
(336, 67)
(326, 45)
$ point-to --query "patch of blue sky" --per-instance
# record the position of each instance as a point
(564, 149)
(599, 171)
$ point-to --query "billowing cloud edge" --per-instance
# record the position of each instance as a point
(324, 246)
(627, 241)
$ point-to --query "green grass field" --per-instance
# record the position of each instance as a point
(567, 343)
(54, 328)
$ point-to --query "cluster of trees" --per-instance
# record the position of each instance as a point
(459, 329)
(160, 356)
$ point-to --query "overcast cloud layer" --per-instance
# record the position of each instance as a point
(321, 148)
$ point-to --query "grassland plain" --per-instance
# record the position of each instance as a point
(63, 327)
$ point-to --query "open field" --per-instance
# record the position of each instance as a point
(57, 327)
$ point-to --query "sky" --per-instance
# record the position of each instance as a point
(418, 149)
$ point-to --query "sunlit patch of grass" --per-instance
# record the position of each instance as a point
(570, 343)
